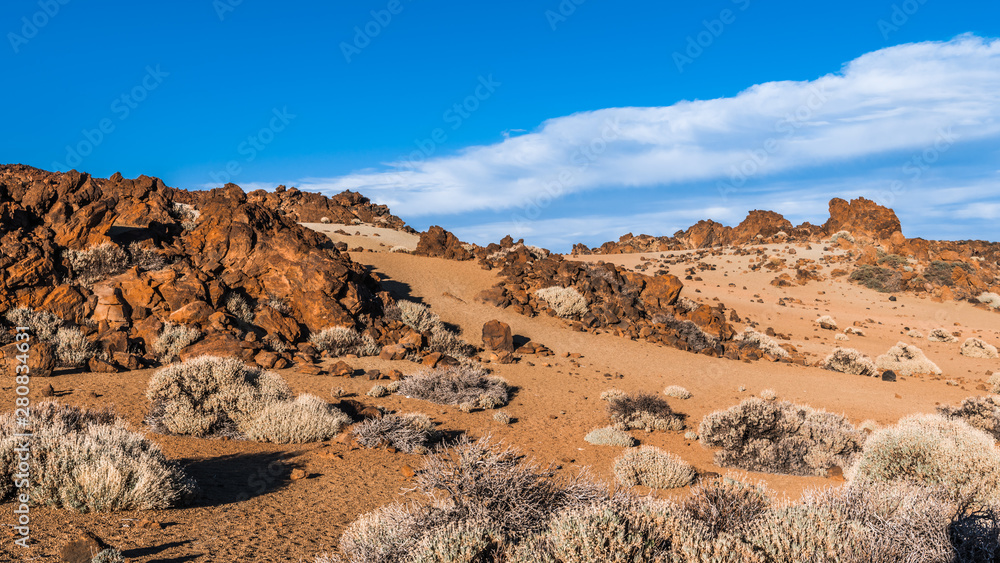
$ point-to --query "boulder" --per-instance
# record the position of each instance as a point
(497, 336)
(196, 312)
(437, 242)
(41, 358)
(82, 548)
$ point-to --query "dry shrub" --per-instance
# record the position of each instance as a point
(941, 335)
(238, 307)
(644, 411)
(976, 348)
(610, 436)
(172, 339)
(906, 359)
(846, 235)
(449, 343)
(565, 302)
(96, 263)
(750, 338)
(43, 325)
(89, 461)
(884, 280)
(339, 341)
(414, 315)
(992, 300)
(457, 385)
(306, 419)
(208, 396)
(652, 467)
(410, 433)
(759, 435)
(110, 555)
(72, 347)
(186, 214)
(676, 391)
(979, 412)
(849, 360)
(612, 394)
(727, 505)
(914, 333)
(841, 337)
(464, 541)
(994, 382)
(934, 451)
(827, 322)
(377, 391)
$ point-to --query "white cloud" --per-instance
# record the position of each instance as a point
(902, 99)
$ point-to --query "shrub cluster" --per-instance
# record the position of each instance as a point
(976, 348)
(43, 325)
(677, 392)
(935, 451)
(340, 341)
(610, 436)
(941, 335)
(209, 396)
(652, 467)
(72, 347)
(849, 360)
(753, 339)
(940, 272)
(565, 302)
(696, 338)
(172, 339)
(906, 359)
(884, 280)
(108, 259)
(979, 412)
(89, 461)
(457, 385)
(643, 411)
(409, 433)
(992, 300)
(441, 338)
(780, 437)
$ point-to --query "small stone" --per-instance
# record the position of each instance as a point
(407, 472)
(297, 474)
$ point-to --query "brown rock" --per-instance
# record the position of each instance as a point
(48, 391)
(273, 322)
(407, 472)
(97, 365)
(393, 352)
(341, 369)
(497, 336)
(82, 548)
(41, 358)
(862, 218)
(297, 474)
(196, 312)
(661, 291)
(438, 242)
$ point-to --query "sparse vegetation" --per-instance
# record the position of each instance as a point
(410, 433)
(827, 322)
(89, 461)
(457, 385)
(994, 382)
(96, 263)
(940, 272)
(652, 467)
(565, 302)
(914, 333)
(643, 411)
(414, 315)
(884, 280)
(751, 338)
(238, 307)
(977, 348)
(696, 338)
(172, 339)
(676, 391)
(982, 413)
(209, 396)
(906, 359)
(72, 347)
(306, 419)
(43, 325)
(780, 437)
(610, 436)
(841, 235)
(503, 417)
(727, 505)
(340, 341)
(849, 360)
(992, 300)
(769, 395)
(934, 451)
(941, 335)
(377, 391)
(611, 394)
(186, 214)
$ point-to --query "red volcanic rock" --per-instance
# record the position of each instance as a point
(345, 208)
(438, 242)
(497, 336)
(861, 217)
(41, 358)
(763, 223)
(191, 251)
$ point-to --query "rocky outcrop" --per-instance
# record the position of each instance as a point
(439, 243)
(345, 208)
(247, 276)
(862, 218)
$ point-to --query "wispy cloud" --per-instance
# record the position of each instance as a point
(801, 134)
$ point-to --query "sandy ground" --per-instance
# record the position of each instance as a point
(366, 236)
(249, 509)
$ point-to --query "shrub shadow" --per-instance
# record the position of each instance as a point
(235, 478)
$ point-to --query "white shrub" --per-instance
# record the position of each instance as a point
(565, 302)
(339, 340)
(992, 300)
(675, 391)
(610, 436)
(652, 467)
(761, 341)
(906, 359)
(976, 348)
(941, 335)
(848, 360)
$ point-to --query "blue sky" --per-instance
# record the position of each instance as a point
(557, 121)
